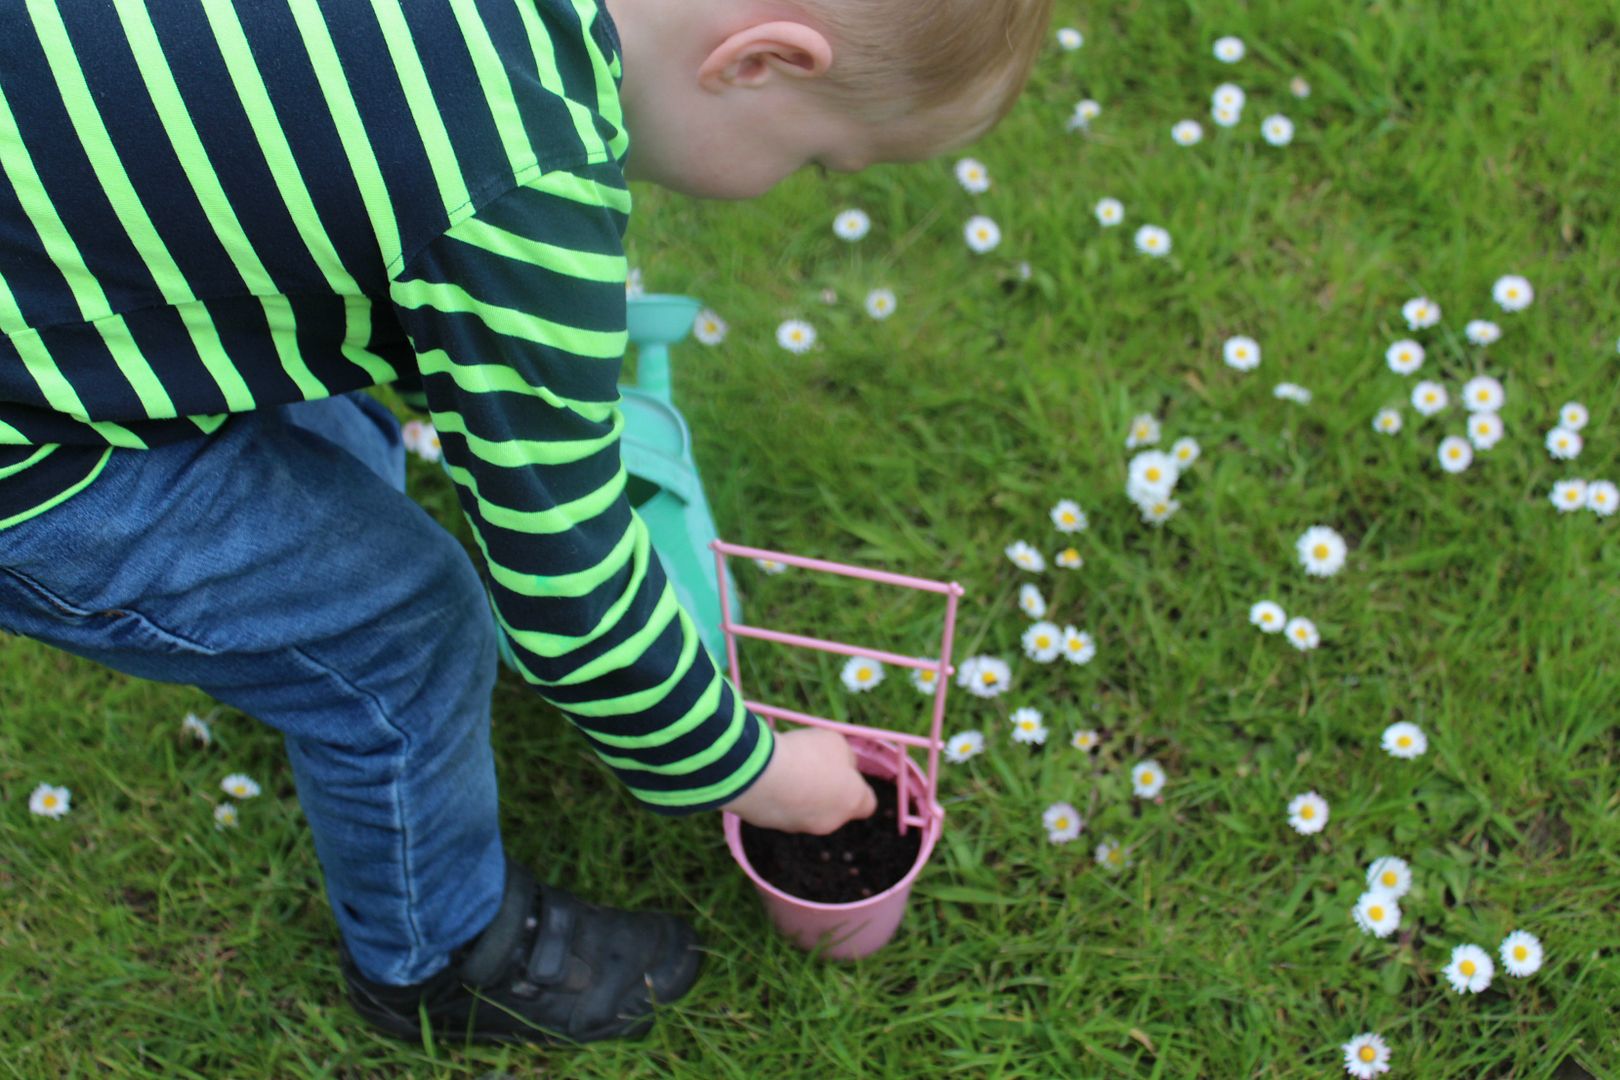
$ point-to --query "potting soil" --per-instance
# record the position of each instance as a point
(861, 859)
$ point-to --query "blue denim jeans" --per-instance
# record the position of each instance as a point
(279, 566)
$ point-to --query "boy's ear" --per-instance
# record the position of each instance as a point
(752, 55)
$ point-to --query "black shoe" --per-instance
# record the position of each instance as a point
(550, 968)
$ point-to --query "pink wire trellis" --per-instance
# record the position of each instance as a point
(941, 666)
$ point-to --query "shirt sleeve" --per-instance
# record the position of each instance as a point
(517, 317)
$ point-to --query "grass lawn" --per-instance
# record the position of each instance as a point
(1442, 146)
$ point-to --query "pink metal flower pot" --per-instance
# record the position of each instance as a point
(860, 927)
(855, 929)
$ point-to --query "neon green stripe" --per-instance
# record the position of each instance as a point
(666, 610)
(585, 265)
(210, 422)
(37, 456)
(545, 62)
(694, 717)
(581, 189)
(351, 131)
(188, 146)
(278, 155)
(59, 498)
(497, 87)
(719, 791)
(356, 332)
(115, 334)
(211, 351)
(560, 518)
(450, 299)
(523, 453)
(486, 378)
(554, 645)
(413, 81)
(10, 436)
(607, 93)
(561, 585)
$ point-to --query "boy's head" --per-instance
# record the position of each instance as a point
(724, 98)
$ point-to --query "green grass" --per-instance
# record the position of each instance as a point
(1444, 145)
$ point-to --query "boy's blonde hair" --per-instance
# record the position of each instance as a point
(942, 72)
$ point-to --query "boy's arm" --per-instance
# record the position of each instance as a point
(517, 316)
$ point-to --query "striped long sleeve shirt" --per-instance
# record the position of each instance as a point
(208, 207)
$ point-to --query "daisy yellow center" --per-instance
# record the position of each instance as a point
(1073, 553)
(1454, 453)
(1061, 823)
(1027, 725)
(1043, 642)
(1147, 778)
(1366, 1053)
(1467, 968)
(1307, 812)
(1375, 913)
(989, 678)
(798, 335)
(1161, 508)
(1484, 395)
(1388, 421)
(1068, 518)
(1520, 952)
(1513, 294)
(1302, 633)
(1404, 741)
(1388, 878)
(1572, 495)
(1600, 498)
(1241, 353)
(1115, 855)
(1153, 475)
(1405, 355)
(926, 676)
(863, 674)
(1268, 617)
(963, 747)
(1429, 398)
(982, 234)
(50, 801)
(1320, 551)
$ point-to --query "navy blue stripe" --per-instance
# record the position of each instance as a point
(40, 483)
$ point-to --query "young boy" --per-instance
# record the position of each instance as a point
(220, 223)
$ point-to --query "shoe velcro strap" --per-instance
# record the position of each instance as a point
(559, 910)
(488, 960)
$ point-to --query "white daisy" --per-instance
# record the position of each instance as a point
(1404, 357)
(1321, 551)
(1572, 416)
(1027, 726)
(1420, 313)
(1229, 50)
(924, 679)
(410, 434)
(1512, 292)
(1390, 874)
(1068, 517)
(709, 328)
(1225, 115)
(1152, 240)
(1157, 509)
(632, 284)
(240, 786)
(1042, 642)
(1455, 453)
(428, 447)
(1185, 451)
(1288, 391)
(796, 335)
(1111, 856)
(770, 566)
(1070, 38)
(1521, 954)
(1299, 87)
(197, 728)
(1062, 823)
(1086, 739)
(1268, 616)
(1569, 495)
(1242, 353)
(880, 303)
(1025, 557)
(829, 296)
(1301, 633)
(1069, 558)
(1482, 332)
(1187, 132)
(1227, 96)
(962, 746)
(984, 676)
(51, 802)
(852, 224)
(1602, 497)
(226, 816)
(1078, 646)
(1387, 422)
(1376, 912)
(1429, 398)
(1483, 394)
(1144, 431)
(1109, 212)
(1277, 130)
(1147, 779)
(1031, 602)
(982, 234)
(861, 674)
(1365, 1056)
(973, 176)
(1403, 739)
(1084, 113)
(1308, 813)
(1564, 444)
(1152, 473)
(1484, 430)
(1470, 969)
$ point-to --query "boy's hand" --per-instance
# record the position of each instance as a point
(810, 786)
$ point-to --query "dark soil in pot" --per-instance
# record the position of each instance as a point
(859, 860)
